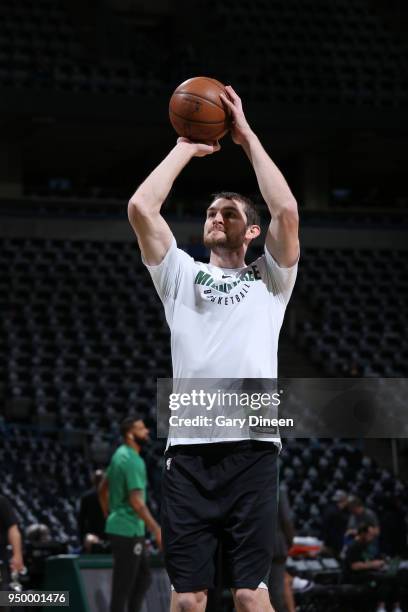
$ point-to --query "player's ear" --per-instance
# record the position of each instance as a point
(253, 231)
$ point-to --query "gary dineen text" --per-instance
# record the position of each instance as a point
(221, 421)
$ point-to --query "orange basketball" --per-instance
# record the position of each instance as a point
(197, 111)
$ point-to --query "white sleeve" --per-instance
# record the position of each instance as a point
(168, 273)
(282, 280)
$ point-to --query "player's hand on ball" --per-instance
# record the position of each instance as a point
(201, 149)
(240, 129)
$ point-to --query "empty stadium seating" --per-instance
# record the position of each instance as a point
(83, 340)
(84, 337)
(310, 53)
(358, 311)
(43, 47)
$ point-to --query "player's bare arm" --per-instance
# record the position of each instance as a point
(144, 210)
(139, 506)
(282, 237)
(14, 538)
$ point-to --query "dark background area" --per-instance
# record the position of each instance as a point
(85, 98)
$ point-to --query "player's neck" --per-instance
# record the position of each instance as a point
(228, 259)
(136, 447)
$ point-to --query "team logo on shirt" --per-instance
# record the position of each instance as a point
(240, 284)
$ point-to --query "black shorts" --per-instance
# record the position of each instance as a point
(216, 495)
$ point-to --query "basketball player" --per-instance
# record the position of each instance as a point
(221, 492)
(122, 495)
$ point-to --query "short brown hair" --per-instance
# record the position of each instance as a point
(250, 208)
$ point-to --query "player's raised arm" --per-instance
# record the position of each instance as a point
(282, 238)
(153, 233)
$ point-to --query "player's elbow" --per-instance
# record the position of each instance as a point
(103, 489)
(137, 207)
(103, 485)
(290, 208)
(138, 506)
(288, 215)
(142, 208)
(136, 501)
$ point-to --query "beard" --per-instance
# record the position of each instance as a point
(141, 441)
(223, 241)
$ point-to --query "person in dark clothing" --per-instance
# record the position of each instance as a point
(280, 589)
(38, 546)
(361, 515)
(91, 522)
(335, 520)
(122, 493)
(361, 568)
(9, 535)
(358, 561)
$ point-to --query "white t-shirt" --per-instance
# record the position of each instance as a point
(224, 323)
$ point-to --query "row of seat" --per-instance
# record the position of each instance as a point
(336, 56)
(44, 477)
(359, 301)
(74, 326)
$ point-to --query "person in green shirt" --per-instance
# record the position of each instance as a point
(122, 495)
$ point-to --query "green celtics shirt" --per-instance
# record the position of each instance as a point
(126, 472)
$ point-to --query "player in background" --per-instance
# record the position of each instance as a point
(122, 495)
(9, 536)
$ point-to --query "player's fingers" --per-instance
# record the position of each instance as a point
(235, 106)
(232, 92)
(227, 101)
(235, 97)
